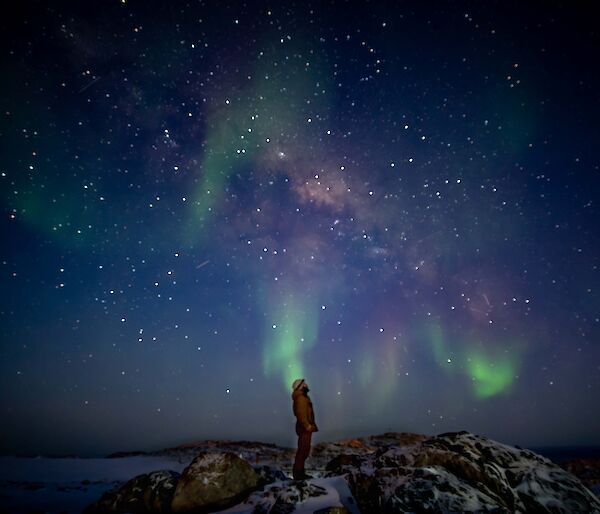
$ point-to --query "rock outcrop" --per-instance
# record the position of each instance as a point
(152, 492)
(214, 481)
(391, 473)
(461, 472)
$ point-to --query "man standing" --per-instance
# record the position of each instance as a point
(305, 425)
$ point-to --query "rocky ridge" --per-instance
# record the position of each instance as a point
(390, 473)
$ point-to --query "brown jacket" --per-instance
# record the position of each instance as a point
(303, 410)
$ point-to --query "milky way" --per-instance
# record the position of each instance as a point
(202, 202)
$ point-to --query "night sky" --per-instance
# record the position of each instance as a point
(203, 201)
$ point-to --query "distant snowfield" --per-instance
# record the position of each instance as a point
(45, 469)
(70, 484)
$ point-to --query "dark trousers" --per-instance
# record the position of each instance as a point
(303, 450)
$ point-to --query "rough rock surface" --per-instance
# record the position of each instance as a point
(252, 451)
(322, 453)
(282, 497)
(213, 481)
(461, 472)
(269, 474)
(152, 492)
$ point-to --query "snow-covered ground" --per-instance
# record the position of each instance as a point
(336, 493)
(69, 484)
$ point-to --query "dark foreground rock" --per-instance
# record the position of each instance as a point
(211, 482)
(214, 481)
(462, 472)
(152, 492)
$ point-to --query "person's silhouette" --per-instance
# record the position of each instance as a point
(305, 426)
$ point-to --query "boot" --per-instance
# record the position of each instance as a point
(299, 474)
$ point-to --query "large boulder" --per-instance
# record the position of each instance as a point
(214, 481)
(461, 472)
(150, 492)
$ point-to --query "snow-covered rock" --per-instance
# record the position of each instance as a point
(323, 453)
(461, 472)
(315, 496)
(269, 474)
(214, 481)
(149, 492)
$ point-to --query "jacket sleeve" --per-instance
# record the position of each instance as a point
(302, 412)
